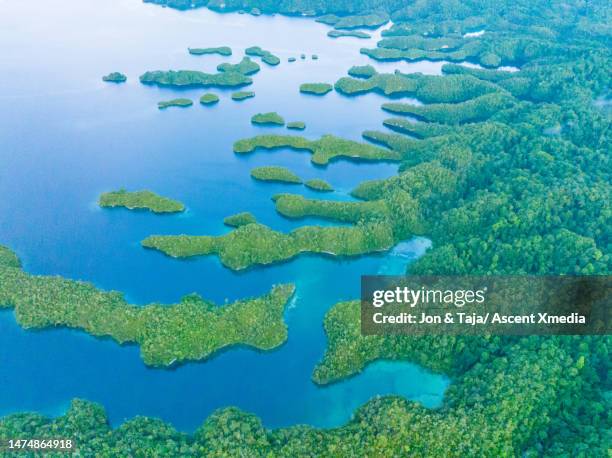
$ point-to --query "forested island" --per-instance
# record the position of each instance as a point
(221, 50)
(180, 103)
(209, 99)
(296, 125)
(318, 185)
(315, 88)
(266, 56)
(508, 173)
(239, 219)
(275, 173)
(115, 77)
(146, 200)
(348, 33)
(242, 95)
(271, 118)
(193, 329)
(324, 150)
(182, 78)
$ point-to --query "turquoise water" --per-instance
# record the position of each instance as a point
(65, 137)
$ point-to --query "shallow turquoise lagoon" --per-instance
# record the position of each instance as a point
(65, 137)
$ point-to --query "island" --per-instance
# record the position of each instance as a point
(221, 50)
(145, 200)
(209, 99)
(181, 103)
(239, 219)
(348, 33)
(291, 59)
(246, 66)
(266, 56)
(242, 95)
(275, 173)
(315, 88)
(370, 21)
(324, 150)
(296, 125)
(314, 57)
(256, 244)
(115, 77)
(271, 118)
(362, 71)
(193, 329)
(186, 78)
(319, 185)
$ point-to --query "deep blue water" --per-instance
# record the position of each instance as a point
(65, 137)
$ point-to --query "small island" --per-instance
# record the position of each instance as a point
(319, 185)
(266, 56)
(291, 59)
(209, 99)
(242, 95)
(271, 118)
(362, 71)
(348, 33)
(296, 125)
(144, 200)
(275, 173)
(315, 88)
(315, 57)
(221, 50)
(239, 219)
(115, 77)
(246, 66)
(182, 103)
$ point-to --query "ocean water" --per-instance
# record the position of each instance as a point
(65, 137)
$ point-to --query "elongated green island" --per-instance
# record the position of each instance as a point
(256, 244)
(221, 50)
(239, 219)
(266, 56)
(115, 77)
(242, 95)
(319, 185)
(296, 125)
(181, 103)
(371, 21)
(316, 88)
(209, 99)
(348, 33)
(185, 78)
(275, 173)
(192, 329)
(324, 150)
(271, 118)
(140, 200)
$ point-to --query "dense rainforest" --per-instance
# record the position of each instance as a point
(507, 173)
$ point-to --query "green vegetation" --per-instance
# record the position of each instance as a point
(370, 21)
(140, 200)
(475, 110)
(115, 77)
(256, 244)
(291, 59)
(266, 56)
(324, 150)
(193, 329)
(275, 173)
(246, 66)
(239, 219)
(183, 78)
(209, 99)
(242, 95)
(362, 71)
(426, 88)
(315, 88)
(182, 103)
(416, 129)
(296, 125)
(271, 118)
(319, 185)
(348, 33)
(221, 50)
